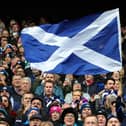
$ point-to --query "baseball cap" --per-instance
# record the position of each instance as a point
(5, 88)
(6, 121)
(4, 112)
(101, 112)
(4, 72)
(85, 105)
(36, 116)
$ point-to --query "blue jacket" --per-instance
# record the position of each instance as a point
(57, 91)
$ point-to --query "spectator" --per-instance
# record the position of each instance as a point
(108, 89)
(5, 122)
(8, 107)
(31, 112)
(113, 121)
(89, 85)
(2, 25)
(3, 42)
(57, 89)
(5, 91)
(38, 103)
(25, 103)
(118, 88)
(69, 117)
(3, 112)
(25, 106)
(101, 116)
(47, 123)
(16, 91)
(3, 77)
(76, 86)
(55, 112)
(85, 111)
(35, 120)
(91, 121)
(26, 84)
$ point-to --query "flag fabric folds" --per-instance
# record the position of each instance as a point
(88, 45)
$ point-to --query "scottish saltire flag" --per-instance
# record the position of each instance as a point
(89, 45)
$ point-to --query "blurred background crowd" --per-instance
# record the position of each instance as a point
(29, 97)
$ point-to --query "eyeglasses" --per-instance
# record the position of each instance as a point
(69, 116)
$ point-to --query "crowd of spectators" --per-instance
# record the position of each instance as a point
(29, 97)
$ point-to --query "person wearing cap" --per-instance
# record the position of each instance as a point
(69, 117)
(3, 77)
(6, 91)
(35, 120)
(85, 111)
(102, 117)
(28, 114)
(8, 49)
(5, 122)
(32, 111)
(55, 112)
(38, 102)
(5, 118)
(113, 121)
(3, 113)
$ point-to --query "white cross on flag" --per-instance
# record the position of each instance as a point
(89, 45)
